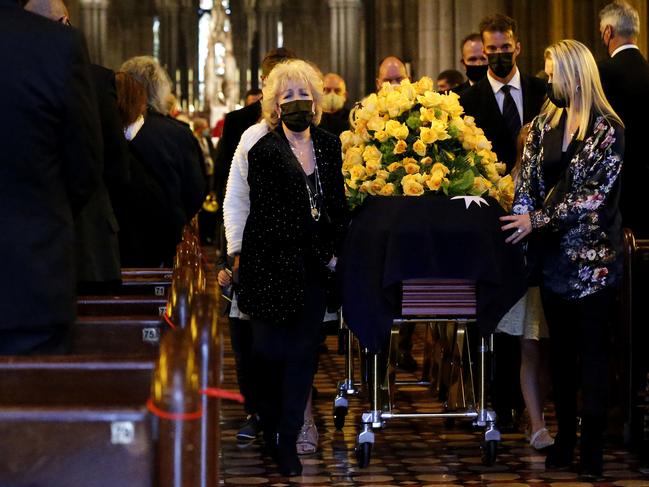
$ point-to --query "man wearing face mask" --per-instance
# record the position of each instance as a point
(501, 103)
(474, 61)
(335, 116)
(625, 79)
(505, 99)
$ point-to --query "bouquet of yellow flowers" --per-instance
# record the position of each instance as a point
(410, 140)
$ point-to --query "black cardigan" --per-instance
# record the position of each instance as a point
(279, 237)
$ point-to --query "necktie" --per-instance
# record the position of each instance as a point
(510, 112)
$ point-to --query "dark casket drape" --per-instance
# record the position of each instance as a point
(393, 239)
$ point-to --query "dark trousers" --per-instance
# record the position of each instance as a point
(506, 382)
(50, 341)
(241, 338)
(579, 331)
(285, 354)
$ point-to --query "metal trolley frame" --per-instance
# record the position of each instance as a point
(437, 303)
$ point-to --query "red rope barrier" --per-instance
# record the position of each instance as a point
(222, 394)
(172, 416)
(168, 320)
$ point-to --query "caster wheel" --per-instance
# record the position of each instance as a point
(489, 452)
(363, 454)
(339, 417)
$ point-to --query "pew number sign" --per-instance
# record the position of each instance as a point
(122, 432)
(151, 335)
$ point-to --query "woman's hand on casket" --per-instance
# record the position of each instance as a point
(520, 224)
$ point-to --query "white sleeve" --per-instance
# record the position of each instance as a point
(236, 205)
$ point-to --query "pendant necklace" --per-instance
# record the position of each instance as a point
(313, 198)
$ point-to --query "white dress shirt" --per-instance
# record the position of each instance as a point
(624, 48)
(515, 90)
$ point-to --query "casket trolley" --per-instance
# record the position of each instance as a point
(447, 306)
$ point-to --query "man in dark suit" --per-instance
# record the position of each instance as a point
(506, 99)
(501, 103)
(625, 79)
(97, 246)
(474, 61)
(49, 167)
(237, 121)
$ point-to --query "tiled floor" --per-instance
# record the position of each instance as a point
(406, 452)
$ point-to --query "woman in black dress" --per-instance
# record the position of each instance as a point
(292, 234)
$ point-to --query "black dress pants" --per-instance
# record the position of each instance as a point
(241, 338)
(579, 331)
(285, 356)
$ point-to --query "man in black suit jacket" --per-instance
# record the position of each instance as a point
(97, 247)
(49, 167)
(487, 101)
(474, 61)
(501, 103)
(625, 79)
(236, 123)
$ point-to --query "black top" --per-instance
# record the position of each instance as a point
(280, 236)
(479, 102)
(335, 123)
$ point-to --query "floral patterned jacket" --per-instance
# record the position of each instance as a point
(578, 220)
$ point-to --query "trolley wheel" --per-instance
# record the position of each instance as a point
(339, 417)
(363, 454)
(489, 452)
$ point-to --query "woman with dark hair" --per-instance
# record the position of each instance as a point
(567, 194)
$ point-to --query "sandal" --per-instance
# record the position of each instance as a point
(307, 440)
(541, 439)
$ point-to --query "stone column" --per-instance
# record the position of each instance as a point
(93, 15)
(346, 33)
(268, 16)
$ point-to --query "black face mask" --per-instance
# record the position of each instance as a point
(501, 63)
(297, 115)
(558, 102)
(608, 44)
(476, 73)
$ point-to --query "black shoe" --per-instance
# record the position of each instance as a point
(270, 443)
(249, 429)
(406, 362)
(288, 462)
(558, 458)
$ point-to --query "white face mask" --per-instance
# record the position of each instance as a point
(332, 102)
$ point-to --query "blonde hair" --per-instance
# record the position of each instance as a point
(292, 70)
(147, 71)
(576, 77)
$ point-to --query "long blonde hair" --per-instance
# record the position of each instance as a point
(576, 77)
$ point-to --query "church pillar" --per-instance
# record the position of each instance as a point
(346, 36)
(268, 16)
(93, 15)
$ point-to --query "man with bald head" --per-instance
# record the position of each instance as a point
(97, 247)
(335, 116)
(49, 168)
(391, 70)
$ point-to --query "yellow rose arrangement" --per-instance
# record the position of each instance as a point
(409, 140)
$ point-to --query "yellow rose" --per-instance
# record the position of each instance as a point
(411, 168)
(450, 103)
(347, 139)
(351, 183)
(383, 174)
(412, 186)
(370, 102)
(480, 185)
(394, 166)
(458, 123)
(408, 90)
(381, 135)
(438, 166)
(372, 167)
(358, 172)
(396, 129)
(506, 190)
(377, 185)
(427, 114)
(501, 167)
(366, 187)
(353, 157)
(400, 148)
(430, 99)
(434, 182)
(482, 143)
(397, 103)
(423, 85)
(436, 131)
(376, 123)
(387, 190)
(372, 154)
(419, 147)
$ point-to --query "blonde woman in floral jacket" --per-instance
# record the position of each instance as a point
(567, 196)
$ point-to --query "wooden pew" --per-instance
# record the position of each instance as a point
(117, 335)
(121, 305)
